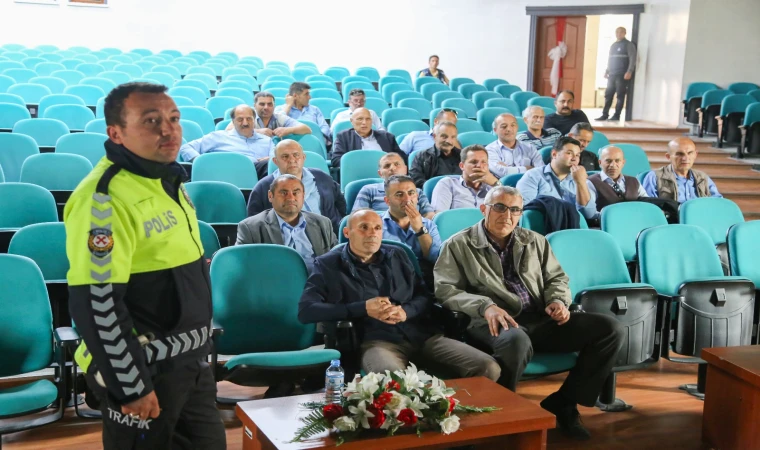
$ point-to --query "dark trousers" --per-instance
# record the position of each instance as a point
(189, 418)
(616, 85)
(598, 338)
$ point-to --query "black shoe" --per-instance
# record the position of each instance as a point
(615, 118)
(283, 389)
(568, 418)
(602, 117)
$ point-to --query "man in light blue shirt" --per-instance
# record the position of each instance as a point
(507, 155)
(679, 180)
(423, 140)
(563, 179)
(297, 107)
(242, 139)
(356, 99)
(372, 196)
(469, 189)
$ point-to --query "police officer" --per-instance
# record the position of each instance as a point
(619, 71)
(139, 287)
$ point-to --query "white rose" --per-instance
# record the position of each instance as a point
(344, 423)
(449, 424)
(398, 402)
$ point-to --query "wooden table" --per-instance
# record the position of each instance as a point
(269, 424)
(732, 398)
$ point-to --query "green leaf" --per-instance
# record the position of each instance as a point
(474, 409)
(314, 424)
(313, 405)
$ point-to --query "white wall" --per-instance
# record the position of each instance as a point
(723, 42)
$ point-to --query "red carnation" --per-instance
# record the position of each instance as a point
(332, 412)
(393, 386)
(407, 416)
(452, 404)
(382, 400)
(378, 420)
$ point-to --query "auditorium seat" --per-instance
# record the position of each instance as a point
(275, 84)
(248, 79)
(116, 77)
(422, 81)
(45, 244)
(103, 83)
(59, 173)
(12, 99)
(511, 179)
(233, 168)
(31, 93)
(44, 131)
(23, 204)
(743, 247)
(491, 83)
(348, 86)
(209, 80)
(76, 117)
(439, 97)
(430, 184)
(533, 219)
(624, 221)
(469, 89)
(388, 91)
(47, 68)
(209, 240)
(369, 72)
(199, 115)
(750, 130)
(487, 115)
(147, 66)
(732, 109)
(407, 126)
(352, 190)
(219, 204)
(401, 73)
(421, 105)
(396, 97)
(71, 77)
(693, 100)
(324, 93)
(454, 83)
(96, 126)
(388, 79)
(506, 91)
(337, 73)
(57, 99)
(465, 105)
(20, 75)
(264, 74)
(453, 221)
(476, 137)
(428, 90)
(14, 149)
(190, 129)
(195, 94)
(522, 98)
(396, 114)
(157, 78)
(636, 160)
(357, 165)
(544, 102)
(11, 113)
(89, 145)
(710, 109)
(90, 94)
(246, 96)
(715, 216)
(90, 69)
(742, 87)
(240, 84)
(597, 142)
(378, 105)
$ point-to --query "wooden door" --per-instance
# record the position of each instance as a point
(572, 63)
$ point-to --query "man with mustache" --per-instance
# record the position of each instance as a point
(242, 139)
(507, 155)
(509, 282)
(375, 286)
(610, 186)
(469, 189)
(440, 159)
(536, 135)
(363, 137)
(566, 116)
(422, 140)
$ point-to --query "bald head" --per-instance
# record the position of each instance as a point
(242, 118)
(361, 119)
(612, 160)
(289, 157)
(505, 126)
(682, 152)
(620, 33)
(364, 230)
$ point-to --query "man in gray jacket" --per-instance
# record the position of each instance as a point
(508, 281)
(309, 234)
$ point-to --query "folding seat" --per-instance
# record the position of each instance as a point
(353, 188)
(453, 221)
(755, 94)
(90, 69)
(23, 204)
(44, 131)
(377, 105)
(407, 126)
(465, 105)
(244, 299)
(217, 67)
(56, 85)
(98, 54)
(47, 68)
(597, 142)
(219, 204)
(181, 67)
(116, 77)
(14, 149)
(305, 64)
(492, 83)
(232, 84)
(275, 84)
(315, 131)
(158, 78)
(636, 160)
(357, 165)
(199, 115)
(30, 63)
(96, 126)
(392, 79)
(11, 113)
(534, 220)
(147, 66)
(511, 179)
(279, 95)
(731, 116)
(482, 98)
(396, 97)
(264, 74)
(32, 52)
(76, 117)
(544, 102)
(522, 98)
(15, 56)
(421, 105)
(715, 216)
(174, 53)
(233, 71)
(318, 84)
(31, 93)
(173, 71)
(53, 57)
(88, 145)
(12, 47)
(57, 99)
(252, 60)
(12, 99)
(5, 65)
(396, 114)
(693, 100)
(5, 83)
(331, 94)
(750, 131)
(486, 117)
(196, 84)
(244, 95)
(468, 125)
(702, 307)
(59, 173)
(369, 72)
(72, 77)
(199, 59)
(454, 83)
(193, 93)
(401, 73)
(430, 184)
(439, 97)
(743, 248)
(476, 137)
(351, 78)
(210, 80)
(107, 50)
(326, 105)
(422, 81)
(624, 221)
(546, 154)
(742, 87)
(428, 90)
(300, 73)
(90, 94)
(122, 58)
(71, 63)
(710, 109)
(217, 105)
(103, 83)
(348, 86)
(469, 89)
(132, 69)
(389, 89)
(233, 168)
(335, 112)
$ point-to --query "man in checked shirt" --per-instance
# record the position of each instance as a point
(508, 281)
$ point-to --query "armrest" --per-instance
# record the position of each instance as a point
(575, 308)
(454, 323)
(216, 329)
(66, 337)
(339, 335)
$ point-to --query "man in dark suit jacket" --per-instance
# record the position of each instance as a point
(363, 137)
(321, 193)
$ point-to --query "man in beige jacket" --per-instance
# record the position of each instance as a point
(508, 281)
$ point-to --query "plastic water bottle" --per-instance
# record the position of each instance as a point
(334, 382)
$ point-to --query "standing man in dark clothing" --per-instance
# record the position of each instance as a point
(565, 117)
(619, 72)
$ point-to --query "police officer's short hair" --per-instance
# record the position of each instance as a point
(298, 87)
(113, 108)
(580, 126)
(281, 178)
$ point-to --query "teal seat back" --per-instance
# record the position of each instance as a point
(11, 113)
(453, 221)
(697, 89)
(546, 154)
(348, 86)
(544, 102)
(421, 105)
(400, 113)
(23, 204)
(76, 117)
(421, 82)
(337, 73)
(14, 149)
(236, 84)
(89, 145)
(506, 103)
(97, 126)
(327, 105)
(589, 258)
(103, 83)
(407, 126)
(45, 244)
(624, 221)
(533, 220)
(522, 97)
(743, 248)
(234, 168)
(636, 160)
(430, 184)
(469, 89)
(218, 104)
(486, 116)
(353, 188)
(429, 89)
(44, 131)
(714, 97)
(735, 103)
(670, 255)
(199, 115)
(55, 171)
(752, 114)
(597, 142)
(20, 75)
(401, 73)
(506, 91)
(209, 239)
(31, 93)
(90, 94)
(245, 299)
(480, 98)
(246, 96)
(456, 82)
(468, 125)
(388, 79)
(342, 239)
(113, 75)
(216, 201)
(491, 83)
(715, 215)
(190, 130)
(440, 97)
(309, 143)
(315, 131)
(47, 68)
(369, 72)
(378, 105)
(56, 85)
(57, 99)
(359, 164)
(742, 87)
(476, 137)
(25, 318)
(396, 97)
(465, 105)
(511, 179)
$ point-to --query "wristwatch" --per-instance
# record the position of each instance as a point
(498, 183)
(422, 231)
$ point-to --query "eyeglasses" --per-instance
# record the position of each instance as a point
(451, 110)
(502, 208)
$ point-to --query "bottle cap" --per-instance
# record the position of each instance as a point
(335, 362)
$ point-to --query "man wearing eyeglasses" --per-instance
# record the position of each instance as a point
(356, 99)
(610, 186)
(508, 281)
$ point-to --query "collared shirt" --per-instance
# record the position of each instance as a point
(255, 147)
(511, 279)
(311, 193)
(345, 116)
(503, 160)
(453, 193)
(369, 142)
(276, 121)
(548, 136)
(295, 237)
(311, 113)
(372, 196)
(620, 183)
(543, 181)
(687, 189)
(417, 140)
(392, 231)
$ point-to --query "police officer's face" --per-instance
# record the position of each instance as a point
(150, 128)
(287, 199)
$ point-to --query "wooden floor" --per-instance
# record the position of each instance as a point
(662, 417)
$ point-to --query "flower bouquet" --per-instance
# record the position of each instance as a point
(404, 399)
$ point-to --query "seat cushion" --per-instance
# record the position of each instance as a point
(283, 359)
(27, 397)
(548, 363)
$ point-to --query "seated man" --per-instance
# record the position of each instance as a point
(270, 123)
(242, 139)
(363, 137)
(566, 117)
(321, 193)
(442, 158)
(469, 189)
(678, 180)
(297, 107)
(372, 196)
(507, 155)
(563, 178)
(518, 309)
(403, 223)
(309, 234)
(536, 135)
(422, 140)
(356, 99)
(609, 185)
(375, 286)
(584, 133)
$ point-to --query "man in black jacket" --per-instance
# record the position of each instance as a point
(363, 137)
(376, 287)
(440, 159)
